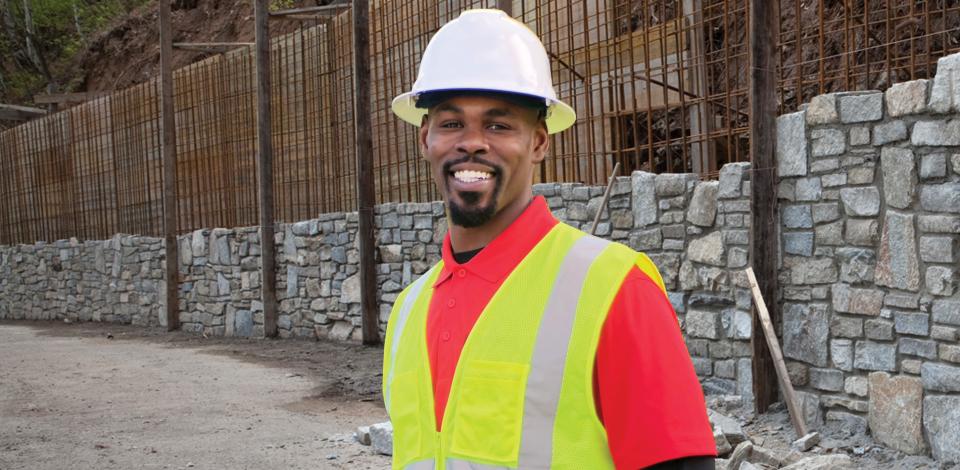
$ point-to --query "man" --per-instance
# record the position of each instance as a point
(530, 345)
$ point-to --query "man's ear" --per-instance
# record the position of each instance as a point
(541, 143)
(422, 139)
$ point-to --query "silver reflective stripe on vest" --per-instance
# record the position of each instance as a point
(421, 465)
(550, 353)
(401, 320)
(454, 464)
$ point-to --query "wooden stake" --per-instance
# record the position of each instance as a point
(771, 335)
(168, 146)
(365, 181)
(268, 270)
(764, 27)
(606, 198)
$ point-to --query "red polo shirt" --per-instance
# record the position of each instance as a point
(647, 393)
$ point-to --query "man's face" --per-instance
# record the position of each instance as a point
(482, 152)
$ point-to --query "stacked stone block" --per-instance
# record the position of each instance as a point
(116, 280)
(870, 223)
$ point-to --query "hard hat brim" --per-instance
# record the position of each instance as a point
(559, 116)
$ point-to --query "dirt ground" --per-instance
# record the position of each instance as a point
(85, 396)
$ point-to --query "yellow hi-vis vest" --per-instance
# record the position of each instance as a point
(522, 393)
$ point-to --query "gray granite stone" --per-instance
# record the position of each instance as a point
(731, 178)
(875, 356)
(858, 301)
(899, 176)
(671, 184)
(888, 132)
(841, 354)
(933, 166)
(805, 332)
(822, 109)
(895, 414)
(703, 205)
(814, 271)
(646, 239)
(937, 249)
(798, 243)
(861, 107)
(941, 421)
(939, 223)
(940, 280)
(825, 212)
(918, 347)
(791, 145)
(878, 329)
(911, 323)
(826, 379)
(941, 197)
(809, 189)
(946, 311)
(829, 234)
(945, 89)
(797, 216)
(708, 249)
(906, 98)
(856, 264)
(644, 198)
(936, 133)
(826, 142)
(940, 377)
(859, 135)
(846, 327)
(702, 324)
(897, 264)
(861, 201)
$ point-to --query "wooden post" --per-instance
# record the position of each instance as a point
(168, 147)
(268, 271)
(771, 336)
(506, 6)
(764, 28)
(365, 181)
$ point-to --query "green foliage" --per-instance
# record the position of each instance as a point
(276, 5)
(61, 28)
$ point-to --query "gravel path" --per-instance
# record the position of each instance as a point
(70, 397)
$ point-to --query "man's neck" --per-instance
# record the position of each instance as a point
(466, 239)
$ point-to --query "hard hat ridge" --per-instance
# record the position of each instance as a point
(485, 51)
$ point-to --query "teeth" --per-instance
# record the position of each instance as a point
(470, 176)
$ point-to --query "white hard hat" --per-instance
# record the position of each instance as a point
(486, 50)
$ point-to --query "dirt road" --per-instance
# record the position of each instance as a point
(99, 396)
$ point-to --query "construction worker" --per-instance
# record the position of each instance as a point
(531, 345)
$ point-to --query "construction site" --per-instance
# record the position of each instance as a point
(792, 169)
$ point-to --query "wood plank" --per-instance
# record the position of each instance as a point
(771, 335)
(764, 27)
(329, 10)
(12, 112)
(65, 98)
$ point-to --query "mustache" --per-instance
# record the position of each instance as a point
(448, 165)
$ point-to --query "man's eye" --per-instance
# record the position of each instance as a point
(450, 124)
(498, 127)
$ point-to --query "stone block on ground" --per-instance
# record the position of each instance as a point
(941, 421)
(806, 442)
(896, 412)
(822, 462)
(381, 438)
(729, 427)
(362, 435)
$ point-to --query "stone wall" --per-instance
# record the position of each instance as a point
(870, 222)
(696, 232)
(117, 280)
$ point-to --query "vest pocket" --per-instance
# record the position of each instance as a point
(489, 411)
(405, 415)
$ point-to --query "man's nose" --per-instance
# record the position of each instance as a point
(473, 142)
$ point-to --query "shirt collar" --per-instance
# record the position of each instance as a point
(505, 252)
